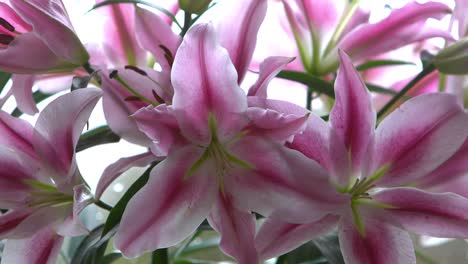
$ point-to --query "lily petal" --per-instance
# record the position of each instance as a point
(434, 214)
(42, 248)
(117, 107)
(16, 133)
(383, 244)
(168, 207)
(20, 58)
(240, 38)
(58, 129)
(276, 237)
(237, 229)
(417, 137)
(120, 39)
(453, 168)
(51, 23)
(22, 91)
(292, 185)
(114, 170)
(269, 68)
(162, 43)
(353, 116)
(160, 125)
(403, 26)
(205, 84)
(274, 125)
(10, 220)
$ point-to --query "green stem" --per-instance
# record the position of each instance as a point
(103, 205)
(309, 99)
(426, 259)
(426, 71)
(160, 256)
(187, 23)
(282, 259)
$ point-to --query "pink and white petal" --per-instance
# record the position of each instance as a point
(403, 26)
(291, 184)
(20, 58)
(16, 133)
(433, 214)
(240, 38)
(10, 220)
(51, 23)
(237, 229)
(59, 127)
(273, 125)
(276, 237)
(452, 169)
(117, 109)
(277, 105)
(269, 68)
(458, 186)
(22, 91)
(324, 17)
(160, 126)
(41, 248)
(205, 84)
(162, 43)
(114, 170)
(40, 218)
(170, 206)
(15, 169)
(459, 12)
(12, 17)
(353, 116)
(417, 137)
(383, 243)
(119, 35)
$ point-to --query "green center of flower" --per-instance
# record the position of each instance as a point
(217, 151)
(44, 195)
(359, 192)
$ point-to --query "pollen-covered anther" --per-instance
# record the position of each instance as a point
(6, 25)
(6, 39)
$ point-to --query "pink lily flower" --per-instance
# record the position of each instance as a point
(37, 37)
(40, 181)
(154, 88)
(372, 169)
(220, 153)
(322, 27)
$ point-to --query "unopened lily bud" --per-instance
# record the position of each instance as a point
(194, 6)
(454, 58)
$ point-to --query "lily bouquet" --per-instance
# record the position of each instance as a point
(370, 152)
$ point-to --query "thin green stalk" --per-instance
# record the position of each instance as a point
(309, 99)
(160, 256)
(103, 205)
(426, 71)
(187, 23)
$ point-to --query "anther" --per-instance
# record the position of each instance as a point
(6, 25)
(113, 74)
(136, 69)
(157, 97)
(6, 39)
(168, 55)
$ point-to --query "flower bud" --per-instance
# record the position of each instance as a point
(194, 6)
(454, 58)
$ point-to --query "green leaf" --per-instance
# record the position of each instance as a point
(379, 89)
(110, 258)
(4, 78)
(163, 10)
(38, 97)
(315, 83)
(117, 211)
(87, 246)
(381, 63)
(97, 136)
